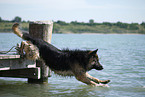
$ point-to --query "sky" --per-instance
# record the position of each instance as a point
(128, 11)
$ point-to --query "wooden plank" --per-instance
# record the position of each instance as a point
(17, 63)
(9, 56)
(5, 68)
(33, 73)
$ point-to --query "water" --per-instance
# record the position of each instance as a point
(123, 58)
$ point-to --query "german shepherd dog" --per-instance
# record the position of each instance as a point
(67, 62)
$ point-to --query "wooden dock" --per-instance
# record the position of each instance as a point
(22, 67)
(14, 66)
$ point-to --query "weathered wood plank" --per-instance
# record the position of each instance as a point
(9, 56)
(33, 73)
(16, 63)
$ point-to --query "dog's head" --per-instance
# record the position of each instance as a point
(94, 61)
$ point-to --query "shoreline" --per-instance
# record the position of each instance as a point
(115, 33)
(95, 33)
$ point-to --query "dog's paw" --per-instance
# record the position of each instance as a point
(105, 82)
(102, 85)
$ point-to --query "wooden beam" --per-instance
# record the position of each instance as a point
(9, 56)
(33, 73)
(15, 62)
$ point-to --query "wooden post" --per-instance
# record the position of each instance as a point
(42, 30)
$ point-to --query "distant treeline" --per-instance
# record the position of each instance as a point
(81, 27)
(16, 19)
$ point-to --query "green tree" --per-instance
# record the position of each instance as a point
(107, 23)
(61, 22)
(1, 19)
(91, 22)
(143, 24)
(74, 22)
(133, 26)
(17, 19)
(122, 25)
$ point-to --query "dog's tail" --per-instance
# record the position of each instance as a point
(17, 31)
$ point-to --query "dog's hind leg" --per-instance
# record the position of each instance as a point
(96, 80)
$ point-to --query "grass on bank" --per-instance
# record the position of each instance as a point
(81, 28)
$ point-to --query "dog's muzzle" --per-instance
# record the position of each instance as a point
(98, 67)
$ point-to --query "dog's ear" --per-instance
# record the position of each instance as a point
(91, 53)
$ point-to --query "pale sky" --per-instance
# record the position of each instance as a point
(129, 11)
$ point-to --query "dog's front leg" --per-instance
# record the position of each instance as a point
(81, 76)
(97, 80)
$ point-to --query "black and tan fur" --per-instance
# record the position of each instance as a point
(67, 62)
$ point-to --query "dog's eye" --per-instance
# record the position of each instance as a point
(94, 60)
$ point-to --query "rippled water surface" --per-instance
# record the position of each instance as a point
(123, 58)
